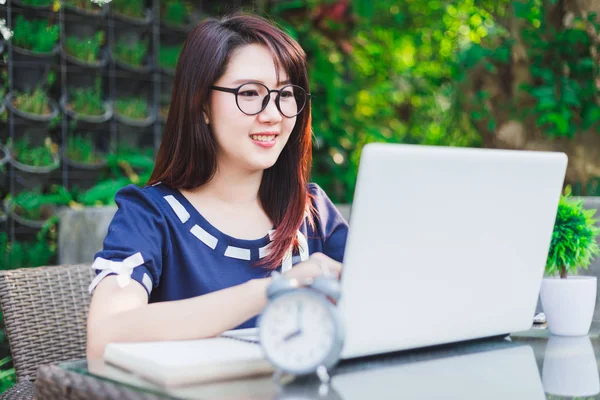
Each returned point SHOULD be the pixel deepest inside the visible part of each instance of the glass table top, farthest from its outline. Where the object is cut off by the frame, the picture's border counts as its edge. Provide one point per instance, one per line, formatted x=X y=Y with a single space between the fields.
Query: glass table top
x=526 y=365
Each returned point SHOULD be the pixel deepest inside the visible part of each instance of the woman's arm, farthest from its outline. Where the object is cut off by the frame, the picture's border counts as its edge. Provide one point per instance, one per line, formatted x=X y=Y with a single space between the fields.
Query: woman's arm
x=124 y=315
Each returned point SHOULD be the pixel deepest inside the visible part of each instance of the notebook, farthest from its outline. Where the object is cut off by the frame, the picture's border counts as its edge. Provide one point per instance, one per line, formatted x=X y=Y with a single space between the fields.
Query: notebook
x=232 y=355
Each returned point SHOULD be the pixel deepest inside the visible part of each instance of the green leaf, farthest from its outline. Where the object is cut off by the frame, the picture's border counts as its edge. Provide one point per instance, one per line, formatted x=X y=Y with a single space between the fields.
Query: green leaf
x=483 y=95
x=489 y=67
x=476 y=116
x=283 y=6
x=562 y=125
x=556 y=119
x=546 y=103
x=547 y=75
x=542 y=120
x=571 y=99
x=502 y=54
x=521 y=9
x=591 y=116
x=586 y=63
x=544 y=91
x=363 y=8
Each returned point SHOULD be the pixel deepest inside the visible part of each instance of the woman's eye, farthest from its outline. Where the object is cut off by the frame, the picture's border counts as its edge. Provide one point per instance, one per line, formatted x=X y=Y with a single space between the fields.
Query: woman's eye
x=248 y=93
x=287 y=95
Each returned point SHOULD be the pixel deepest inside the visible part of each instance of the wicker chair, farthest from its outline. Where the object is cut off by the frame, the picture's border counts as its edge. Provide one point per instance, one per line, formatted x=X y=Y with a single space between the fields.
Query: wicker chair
x=45 y=311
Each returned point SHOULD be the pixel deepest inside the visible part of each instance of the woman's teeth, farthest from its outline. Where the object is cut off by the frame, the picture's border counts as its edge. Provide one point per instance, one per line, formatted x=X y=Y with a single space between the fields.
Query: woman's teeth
x=262 y=138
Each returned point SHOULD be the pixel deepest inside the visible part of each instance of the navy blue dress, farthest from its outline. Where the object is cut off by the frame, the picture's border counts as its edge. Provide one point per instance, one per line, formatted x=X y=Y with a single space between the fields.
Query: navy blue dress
x=160 y=240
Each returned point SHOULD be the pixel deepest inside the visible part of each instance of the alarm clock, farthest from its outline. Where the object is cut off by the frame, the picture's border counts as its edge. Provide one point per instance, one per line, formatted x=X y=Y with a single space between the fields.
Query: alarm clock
x=300 y=329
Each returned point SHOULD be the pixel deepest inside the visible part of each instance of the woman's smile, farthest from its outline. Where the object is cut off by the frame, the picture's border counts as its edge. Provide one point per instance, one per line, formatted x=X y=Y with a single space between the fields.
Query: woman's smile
x=264 y=139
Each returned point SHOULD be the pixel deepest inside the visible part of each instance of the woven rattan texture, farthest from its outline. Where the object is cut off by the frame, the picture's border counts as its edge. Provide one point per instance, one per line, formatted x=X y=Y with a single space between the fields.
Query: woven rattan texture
x=55 y=383
x=23 y=390
x=45 y=311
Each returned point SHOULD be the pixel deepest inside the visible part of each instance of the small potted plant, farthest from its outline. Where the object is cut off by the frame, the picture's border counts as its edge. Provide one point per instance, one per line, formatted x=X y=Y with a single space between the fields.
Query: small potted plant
x=176 y=15
x=35 y=113
x=33 y=164
x=133 y=62
x=130 y=13
x=21 y=151
x=131 y=53
x=167 y=57
x=83 y=18
x=32 y=209
x=569 y=300
x=19 y=254
x=35 y=45
x=85 y=162
x=85 y=58
x=134 y=117
x=86 y=106
x=85 y=50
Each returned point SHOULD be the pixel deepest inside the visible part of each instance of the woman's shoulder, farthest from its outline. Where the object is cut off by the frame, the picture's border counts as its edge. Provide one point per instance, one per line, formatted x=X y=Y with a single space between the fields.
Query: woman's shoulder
x=327 y=223
x=143 y=200
x=133 y=193
x=318 y=197
x=322 y=207
x=317 y=193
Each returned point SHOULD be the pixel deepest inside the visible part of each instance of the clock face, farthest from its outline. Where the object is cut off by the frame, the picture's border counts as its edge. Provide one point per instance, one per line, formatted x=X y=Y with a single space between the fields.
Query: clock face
x=297 y=331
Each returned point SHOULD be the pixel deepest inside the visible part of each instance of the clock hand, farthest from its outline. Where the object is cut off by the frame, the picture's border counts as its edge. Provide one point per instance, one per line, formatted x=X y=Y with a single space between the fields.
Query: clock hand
x=292 y=335
x=299 y=315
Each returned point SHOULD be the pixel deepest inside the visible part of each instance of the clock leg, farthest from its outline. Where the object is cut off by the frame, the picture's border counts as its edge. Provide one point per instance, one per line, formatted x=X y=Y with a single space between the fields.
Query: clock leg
x=323 y=374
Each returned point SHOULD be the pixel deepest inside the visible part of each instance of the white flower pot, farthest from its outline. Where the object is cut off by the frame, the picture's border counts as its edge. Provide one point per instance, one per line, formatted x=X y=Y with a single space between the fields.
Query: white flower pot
x=570 y=367
x=569 y=304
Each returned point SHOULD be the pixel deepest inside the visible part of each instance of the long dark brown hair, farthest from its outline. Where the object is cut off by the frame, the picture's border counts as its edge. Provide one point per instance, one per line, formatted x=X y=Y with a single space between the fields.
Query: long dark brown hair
x=187 y=157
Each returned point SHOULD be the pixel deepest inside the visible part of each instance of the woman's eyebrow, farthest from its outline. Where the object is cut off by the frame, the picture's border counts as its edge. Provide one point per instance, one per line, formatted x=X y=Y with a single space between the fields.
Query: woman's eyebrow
x=240 y=81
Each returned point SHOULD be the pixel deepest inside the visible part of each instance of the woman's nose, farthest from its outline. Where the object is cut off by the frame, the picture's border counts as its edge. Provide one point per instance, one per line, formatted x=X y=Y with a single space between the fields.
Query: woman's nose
x=271 y=112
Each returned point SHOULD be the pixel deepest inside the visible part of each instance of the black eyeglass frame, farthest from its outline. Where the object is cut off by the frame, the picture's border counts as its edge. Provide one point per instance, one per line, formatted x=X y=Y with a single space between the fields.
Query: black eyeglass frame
x=269 y=91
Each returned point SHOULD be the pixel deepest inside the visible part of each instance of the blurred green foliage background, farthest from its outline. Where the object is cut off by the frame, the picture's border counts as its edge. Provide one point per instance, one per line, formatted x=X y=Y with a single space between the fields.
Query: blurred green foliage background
x=515 y=74
x=501 y=74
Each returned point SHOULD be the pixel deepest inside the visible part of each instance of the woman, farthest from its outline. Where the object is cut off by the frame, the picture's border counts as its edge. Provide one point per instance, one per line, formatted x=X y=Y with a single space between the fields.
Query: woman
x=191 y=254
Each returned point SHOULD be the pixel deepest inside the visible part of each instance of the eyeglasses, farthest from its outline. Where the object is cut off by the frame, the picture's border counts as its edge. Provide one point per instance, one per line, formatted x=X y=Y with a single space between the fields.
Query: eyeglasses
x=253 y=97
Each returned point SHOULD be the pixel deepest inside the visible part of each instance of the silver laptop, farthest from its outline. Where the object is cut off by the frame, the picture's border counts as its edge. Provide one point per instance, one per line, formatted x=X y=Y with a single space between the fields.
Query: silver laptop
x=446 y=244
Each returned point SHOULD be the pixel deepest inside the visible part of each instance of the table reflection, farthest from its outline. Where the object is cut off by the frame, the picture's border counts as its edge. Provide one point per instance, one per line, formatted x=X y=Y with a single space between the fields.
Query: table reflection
x=496 y=369
x=509 y=373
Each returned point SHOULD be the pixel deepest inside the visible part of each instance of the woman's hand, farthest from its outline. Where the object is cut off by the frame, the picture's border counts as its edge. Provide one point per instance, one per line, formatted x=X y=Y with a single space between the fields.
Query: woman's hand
x=318 y=264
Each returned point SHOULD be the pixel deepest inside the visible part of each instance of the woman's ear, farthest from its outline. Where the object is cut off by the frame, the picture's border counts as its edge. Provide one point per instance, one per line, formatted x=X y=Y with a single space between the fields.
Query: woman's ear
x=205 y=114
